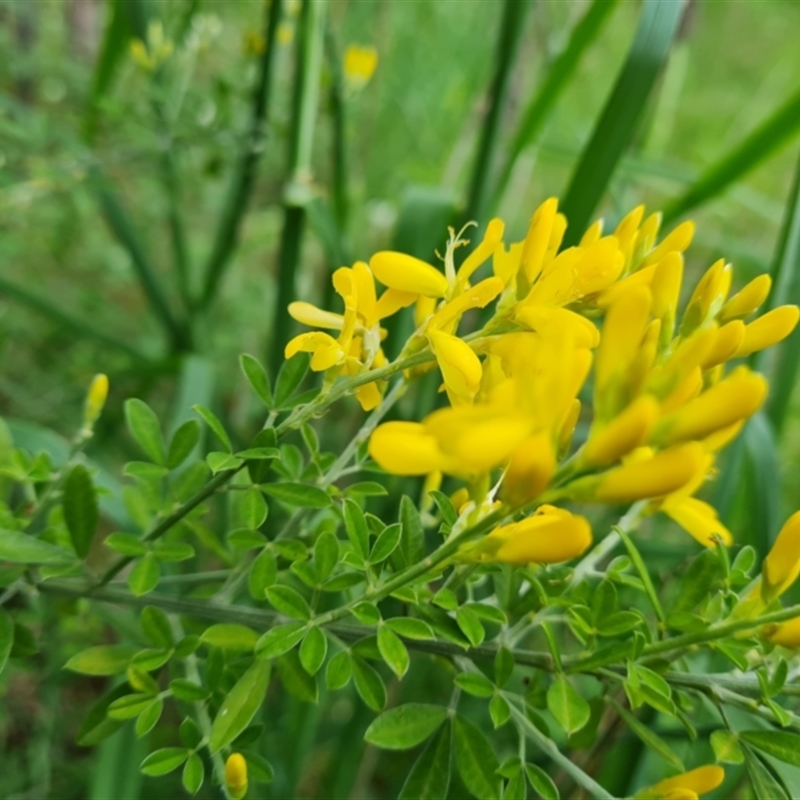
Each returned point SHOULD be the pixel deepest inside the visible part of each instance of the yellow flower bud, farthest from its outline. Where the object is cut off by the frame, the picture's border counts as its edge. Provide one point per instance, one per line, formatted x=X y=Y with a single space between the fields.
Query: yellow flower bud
x=95 y=400
x=484 y=251
x=627 y=230
x=550 y=536
x=236 y=776
x=786 y=634
x=538 y=239
x=662 y=474
x=736 y=397
x=708 y=296
x=624 y=433
x=698 y=519
x=769 y=329
x=748 y=300
x=315 y=317
x=531 y=467
x=782 y=565
x=408 y=274
x=697 y=781
x=593 y=234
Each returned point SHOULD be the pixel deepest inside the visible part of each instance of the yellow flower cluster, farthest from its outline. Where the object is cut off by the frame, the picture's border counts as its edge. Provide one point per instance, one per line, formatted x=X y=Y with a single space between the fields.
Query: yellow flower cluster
x=605 y=311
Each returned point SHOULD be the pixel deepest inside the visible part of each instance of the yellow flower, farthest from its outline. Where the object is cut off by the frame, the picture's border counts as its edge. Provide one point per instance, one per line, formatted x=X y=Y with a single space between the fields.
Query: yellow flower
x=358 y=345
x=461 y=368
x=550 y=536
x=648 y=476
x=782 y=564
x=236 y=776
x=748 y=300
x=769 y=329
x=359 y=65
x=622 y=434
x=687 y=785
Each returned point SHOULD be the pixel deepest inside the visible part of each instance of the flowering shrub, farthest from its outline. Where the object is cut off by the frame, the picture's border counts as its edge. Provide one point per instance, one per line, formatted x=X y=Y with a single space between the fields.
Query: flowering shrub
x=583 y=384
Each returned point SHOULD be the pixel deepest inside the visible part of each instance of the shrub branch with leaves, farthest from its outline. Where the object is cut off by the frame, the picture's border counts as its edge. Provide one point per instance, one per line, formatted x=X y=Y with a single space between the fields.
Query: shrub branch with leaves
x=586 y=409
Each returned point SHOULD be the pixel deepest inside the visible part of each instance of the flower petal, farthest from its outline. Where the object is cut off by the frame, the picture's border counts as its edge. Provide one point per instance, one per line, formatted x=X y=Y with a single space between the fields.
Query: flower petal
x=408 y=274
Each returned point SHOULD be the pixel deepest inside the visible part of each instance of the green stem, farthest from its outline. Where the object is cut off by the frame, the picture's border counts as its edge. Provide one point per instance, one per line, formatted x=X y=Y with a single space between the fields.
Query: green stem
x=511 y=29
x=242 y=182
x=339 y=196
x=69 y=322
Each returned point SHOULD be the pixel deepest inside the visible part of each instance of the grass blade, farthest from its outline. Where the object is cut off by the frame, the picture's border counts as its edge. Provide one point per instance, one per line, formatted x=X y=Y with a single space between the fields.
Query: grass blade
x=777 y=130
x=618 y=122
x=555 y=81
x=67 y=321
x=227 y=234
x=511 y=28
x=786 y=289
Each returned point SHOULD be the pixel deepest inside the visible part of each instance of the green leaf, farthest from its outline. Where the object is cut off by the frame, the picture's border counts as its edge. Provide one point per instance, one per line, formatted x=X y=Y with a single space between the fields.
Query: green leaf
x=290 y=376
x=194 y=774
x=149 y=717
x=356 y=526
x=156 y=627
x=20 y=548
x=183 y=442
x=445 y=506
x=366 y=489
x=726 y=747
x=229 y=636
x=221 y=462
x=474 y=683
x=296 y=680
x=6 y=638
x=288 y=602
x=499 y=710
x=429 y=778
x=412 y=536
x=652 y=740
x=188 y=690
x=617 y=125
x=257 y=378
x=476 y=761
x=130 y=706
x=369 y=684
x=146 y=430
x=385 y=544
x=164 y=761
x=213 y=422
x=173 y=551
x=297 y=494
x=326 y=555
x=280 y=640
x=503 y=666
x=406 y=726
x=411 y=628
x=240 y=705
x=568 y=708
x=782 y=745
x=541 y=782
x=144 y=576
x=393 y=651
x=108 y=659
x=471 y=626
x=765 y=785
x=127 y=544
x=339 y=671
x=97 y=725
x=190 y=733
x=263 y=573
x=80 y=509
x=248 y=509
x=313 y=650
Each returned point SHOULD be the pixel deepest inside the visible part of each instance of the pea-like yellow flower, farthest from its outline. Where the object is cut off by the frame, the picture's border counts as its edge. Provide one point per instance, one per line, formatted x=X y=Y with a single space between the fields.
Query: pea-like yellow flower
x=748 y=300
x=769 y=329
x=686 y=786
x=236 y=776
x=645 y=476
x=782 y=564
x=550 y=536
x=608 y=444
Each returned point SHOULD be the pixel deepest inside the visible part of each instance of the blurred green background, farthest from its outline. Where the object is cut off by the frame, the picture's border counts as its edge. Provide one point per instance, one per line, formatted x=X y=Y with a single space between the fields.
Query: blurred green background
x=116 y=178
